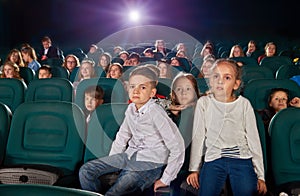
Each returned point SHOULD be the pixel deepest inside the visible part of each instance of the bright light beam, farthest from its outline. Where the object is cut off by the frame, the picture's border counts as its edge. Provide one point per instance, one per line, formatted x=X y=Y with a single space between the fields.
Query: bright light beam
x=134 y=16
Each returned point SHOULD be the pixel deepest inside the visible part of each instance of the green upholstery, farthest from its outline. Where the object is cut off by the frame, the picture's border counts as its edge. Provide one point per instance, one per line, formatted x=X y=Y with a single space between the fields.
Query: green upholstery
x=287 y=71
x=60 y=72
x=73 y=74
x=27 y=74
x=12 y=92
x=258 y=90
x=49 y=89
x=275 y=62
x=114 y=91
x=58 y=62
x=285 y=145
x=42 y=190
x=164 y=86
x=247 y=61
x=263 y=140
x=102 y=129
x=46 y=133
x=5 y=116
x=255 y=72
x=203 y=85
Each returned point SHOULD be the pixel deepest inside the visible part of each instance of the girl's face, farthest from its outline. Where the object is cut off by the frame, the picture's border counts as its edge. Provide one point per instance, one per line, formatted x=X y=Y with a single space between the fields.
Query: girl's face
x=25 y=57
x=14 y=57
x=251 y=47
x=270 y=50
x=103 y=61
x=163 y=70
x=279 y=101
x=236 y=52
x=71 y=63
x=115 y=72
x=86 y=70
x=91 y=102
x=123 y=56
x=184 y=91
x=223 y=82
x=206 y=69
x=206 y=52
x=9 y=71
x=175 y=62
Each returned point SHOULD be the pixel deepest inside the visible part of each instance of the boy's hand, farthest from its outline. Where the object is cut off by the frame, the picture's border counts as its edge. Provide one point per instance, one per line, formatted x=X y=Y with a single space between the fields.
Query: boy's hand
x=261 y=187
x=158 y=184
x=193 y=179
x=295 y=102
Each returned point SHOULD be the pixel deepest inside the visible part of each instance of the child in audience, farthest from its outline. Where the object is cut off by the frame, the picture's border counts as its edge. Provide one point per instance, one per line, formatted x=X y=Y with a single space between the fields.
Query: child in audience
x=44 y=72
x=15 y=56
x=93 y=97
x=165 y=69
x=225 y=132
x=11 y=70
x=71 y=61
x=115 y=70
x=270 y=50
x=29 y=56
x=86 y=71
x=146 y=142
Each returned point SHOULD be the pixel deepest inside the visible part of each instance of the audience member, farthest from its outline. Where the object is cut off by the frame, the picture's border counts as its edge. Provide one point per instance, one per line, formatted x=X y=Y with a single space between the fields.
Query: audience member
x=117 y=50
x=148 y=52
x=236 y=51
x=132 y=153
x=160 y=49
x=104 y=61
x=225 y=133
x=94 y=52
x=70 y=62
x=251 y=48
x=133 y=59
x=15 y=56
x=48 y=50
x=115 y=70
x=44 y=72
x=11 y=70
x=270 y=50
x=205 y=69
x=124 y=55
x=29 y=56
x=93 y=97
x=165 y=69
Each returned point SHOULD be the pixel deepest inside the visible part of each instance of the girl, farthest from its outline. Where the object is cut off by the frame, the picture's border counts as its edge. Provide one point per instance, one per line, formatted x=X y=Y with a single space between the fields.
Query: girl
x=71 y=61
x=15 y=56
x=86 y=71
x=93 y=97
x=11 y=70
x=225 y=132
x=115 y=70
x=165 y=69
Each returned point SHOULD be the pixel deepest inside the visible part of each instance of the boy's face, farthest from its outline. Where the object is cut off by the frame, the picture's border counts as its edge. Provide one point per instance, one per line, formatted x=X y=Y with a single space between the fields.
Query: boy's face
x=279 y=101
x=44 y=74
x=140 y=90
x=91 y=102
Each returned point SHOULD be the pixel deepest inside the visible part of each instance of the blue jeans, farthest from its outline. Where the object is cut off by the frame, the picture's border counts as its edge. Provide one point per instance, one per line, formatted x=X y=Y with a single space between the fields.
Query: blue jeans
x=134 y=175
x=240 y=172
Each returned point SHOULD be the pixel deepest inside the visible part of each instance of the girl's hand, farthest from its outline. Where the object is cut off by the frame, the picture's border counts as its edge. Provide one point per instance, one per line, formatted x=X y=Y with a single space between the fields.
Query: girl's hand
x=261 y=187
x=193 y=179
x=158 y=184
x=295 y=102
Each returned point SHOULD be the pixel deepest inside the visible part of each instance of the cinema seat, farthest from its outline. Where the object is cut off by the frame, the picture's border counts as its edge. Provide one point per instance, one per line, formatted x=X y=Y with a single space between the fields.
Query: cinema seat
x=60 y=72
x=5 y=116
x=12 y=92
x=55 y=89
x=287 y=71
x=285 y=150
x=27 y=74
x=275 y=62
x=45 y=144
x=44 y=190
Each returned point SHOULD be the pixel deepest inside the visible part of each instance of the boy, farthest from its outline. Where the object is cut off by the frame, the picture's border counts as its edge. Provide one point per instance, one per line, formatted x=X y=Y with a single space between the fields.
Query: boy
x=45 y=72
x=93 y=97
x=147 y=142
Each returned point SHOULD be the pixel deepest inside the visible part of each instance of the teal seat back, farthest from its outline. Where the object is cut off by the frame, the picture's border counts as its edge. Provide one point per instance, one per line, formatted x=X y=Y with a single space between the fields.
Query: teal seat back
x=258 y=91
x=12 y=92
x=60 y=72
x=256 y=72
x=275 y=62
x=5 y=116
x=247 y=61
x=164 y=86
x=287 y=71
x=46 y=133
x=102 y=129
x=45 y=190
x=114 y=91
x=203 y=85
x=285 y=145
x=49 y=89
x=27 y=74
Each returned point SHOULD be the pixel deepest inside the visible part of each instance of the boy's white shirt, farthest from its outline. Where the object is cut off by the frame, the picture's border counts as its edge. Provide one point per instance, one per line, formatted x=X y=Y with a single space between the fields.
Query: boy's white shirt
x=154 y=136
x=237 y=127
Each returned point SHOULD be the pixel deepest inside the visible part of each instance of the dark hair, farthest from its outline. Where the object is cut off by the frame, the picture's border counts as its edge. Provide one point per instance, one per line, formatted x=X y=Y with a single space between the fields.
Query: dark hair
x=45 y=67
x=275 y=90
x=95 y=91
x=134 y=55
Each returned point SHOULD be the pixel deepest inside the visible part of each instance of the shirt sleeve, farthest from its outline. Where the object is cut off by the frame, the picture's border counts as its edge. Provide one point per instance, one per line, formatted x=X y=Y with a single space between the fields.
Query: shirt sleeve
x=120 y=143
x=173 y=141
x=254 y=141
x=198 y=137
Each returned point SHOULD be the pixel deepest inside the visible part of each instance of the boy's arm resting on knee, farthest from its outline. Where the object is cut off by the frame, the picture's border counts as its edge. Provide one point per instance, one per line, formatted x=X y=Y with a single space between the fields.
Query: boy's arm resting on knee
x=158 y=185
